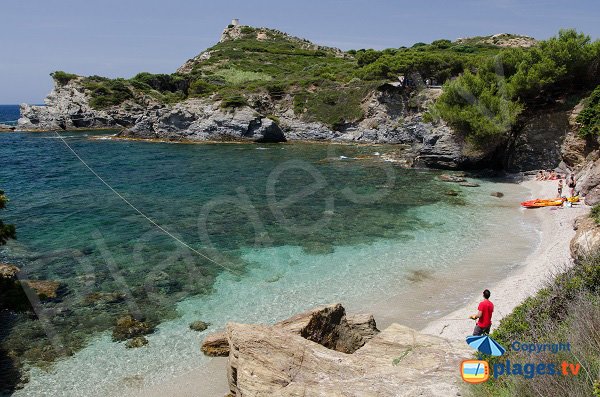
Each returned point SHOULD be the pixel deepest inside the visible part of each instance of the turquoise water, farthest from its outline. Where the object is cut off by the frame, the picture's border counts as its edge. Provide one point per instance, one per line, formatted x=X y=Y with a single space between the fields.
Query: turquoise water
x=286 y=227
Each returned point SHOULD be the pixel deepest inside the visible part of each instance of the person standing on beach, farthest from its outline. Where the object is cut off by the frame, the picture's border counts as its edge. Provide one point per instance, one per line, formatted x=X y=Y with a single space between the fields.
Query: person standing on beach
x=560 y=187
x=484 y=315
x=571 y=185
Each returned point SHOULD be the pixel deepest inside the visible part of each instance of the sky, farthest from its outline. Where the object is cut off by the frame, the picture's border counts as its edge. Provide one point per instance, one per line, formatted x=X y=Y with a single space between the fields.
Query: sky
x=119 y=38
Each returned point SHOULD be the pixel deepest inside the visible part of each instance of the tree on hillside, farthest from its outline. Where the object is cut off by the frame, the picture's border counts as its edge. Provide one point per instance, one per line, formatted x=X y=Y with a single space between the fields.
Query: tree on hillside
x=6 y=231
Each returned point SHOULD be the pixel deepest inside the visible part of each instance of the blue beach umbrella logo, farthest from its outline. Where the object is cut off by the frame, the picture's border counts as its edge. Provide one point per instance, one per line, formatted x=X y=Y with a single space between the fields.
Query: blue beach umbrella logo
x=486 y=345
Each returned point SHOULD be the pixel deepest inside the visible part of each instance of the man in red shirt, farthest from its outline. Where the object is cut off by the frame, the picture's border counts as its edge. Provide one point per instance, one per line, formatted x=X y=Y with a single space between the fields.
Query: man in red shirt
x=484 y=314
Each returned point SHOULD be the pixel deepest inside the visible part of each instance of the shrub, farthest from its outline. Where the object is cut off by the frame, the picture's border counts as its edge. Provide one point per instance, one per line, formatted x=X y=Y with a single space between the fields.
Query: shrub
x=595 y=213
x=62 y=78
x=201 y=87
x=233 y=101
x=590 y=117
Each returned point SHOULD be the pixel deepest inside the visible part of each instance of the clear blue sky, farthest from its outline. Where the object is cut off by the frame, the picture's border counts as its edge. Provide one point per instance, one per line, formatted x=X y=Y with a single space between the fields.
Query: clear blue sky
x=122 y=37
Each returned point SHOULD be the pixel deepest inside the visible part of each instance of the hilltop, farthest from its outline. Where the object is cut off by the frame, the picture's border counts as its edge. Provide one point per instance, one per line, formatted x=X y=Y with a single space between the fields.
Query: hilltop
x=261 y=84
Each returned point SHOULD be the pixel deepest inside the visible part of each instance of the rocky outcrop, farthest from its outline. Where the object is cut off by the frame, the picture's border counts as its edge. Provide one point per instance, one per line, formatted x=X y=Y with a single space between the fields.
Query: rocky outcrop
x=201 y=120
x=215 y=345
x=273 y=360
x=327 y=325
x=587 y=237
x=538 y=143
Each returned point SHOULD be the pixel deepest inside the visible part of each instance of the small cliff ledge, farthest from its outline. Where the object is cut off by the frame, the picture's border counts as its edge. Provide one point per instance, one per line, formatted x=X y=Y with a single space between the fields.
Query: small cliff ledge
x=325 y=352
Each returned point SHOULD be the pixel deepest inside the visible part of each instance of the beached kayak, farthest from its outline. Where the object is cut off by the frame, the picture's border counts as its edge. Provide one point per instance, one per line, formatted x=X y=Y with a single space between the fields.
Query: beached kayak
x=541 y=203
x=574 y=199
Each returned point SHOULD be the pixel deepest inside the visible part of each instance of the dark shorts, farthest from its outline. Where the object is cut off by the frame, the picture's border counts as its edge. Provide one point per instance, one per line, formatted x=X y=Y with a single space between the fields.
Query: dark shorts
x=481 y=331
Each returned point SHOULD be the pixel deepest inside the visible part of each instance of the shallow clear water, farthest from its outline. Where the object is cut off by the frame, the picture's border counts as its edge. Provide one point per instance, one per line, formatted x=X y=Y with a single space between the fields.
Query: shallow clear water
x=286 y=227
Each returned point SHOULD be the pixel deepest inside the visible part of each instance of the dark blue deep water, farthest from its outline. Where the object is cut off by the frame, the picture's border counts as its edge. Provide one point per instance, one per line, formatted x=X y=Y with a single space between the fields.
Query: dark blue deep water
x=9 y=114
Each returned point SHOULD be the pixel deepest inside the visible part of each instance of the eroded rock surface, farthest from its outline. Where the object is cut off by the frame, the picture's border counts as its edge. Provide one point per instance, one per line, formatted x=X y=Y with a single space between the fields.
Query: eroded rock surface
x=326 y=352
x=397 y=362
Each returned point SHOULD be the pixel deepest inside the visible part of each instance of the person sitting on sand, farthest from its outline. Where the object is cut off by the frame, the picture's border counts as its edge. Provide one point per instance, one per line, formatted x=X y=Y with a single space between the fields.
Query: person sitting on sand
x=560 y=186
x=553 y=176
x=484 y=314
x=539 y=176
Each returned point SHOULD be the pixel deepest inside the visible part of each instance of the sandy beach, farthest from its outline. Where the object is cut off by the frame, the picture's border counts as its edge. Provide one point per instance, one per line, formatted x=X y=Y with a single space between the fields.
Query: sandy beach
x=551 y=255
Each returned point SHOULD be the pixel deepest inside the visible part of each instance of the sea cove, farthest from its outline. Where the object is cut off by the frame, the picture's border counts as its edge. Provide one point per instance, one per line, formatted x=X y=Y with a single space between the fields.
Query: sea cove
x=286 y=227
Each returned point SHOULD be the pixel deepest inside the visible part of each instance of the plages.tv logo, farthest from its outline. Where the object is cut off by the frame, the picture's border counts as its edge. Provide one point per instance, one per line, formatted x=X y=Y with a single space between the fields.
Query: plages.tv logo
x=479 y=371
x=475 y=371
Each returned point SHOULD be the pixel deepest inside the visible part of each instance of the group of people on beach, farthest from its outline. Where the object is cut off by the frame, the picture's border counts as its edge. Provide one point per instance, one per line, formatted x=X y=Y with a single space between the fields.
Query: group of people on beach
x=547 y=175
x=571 y=184
x=551 y=175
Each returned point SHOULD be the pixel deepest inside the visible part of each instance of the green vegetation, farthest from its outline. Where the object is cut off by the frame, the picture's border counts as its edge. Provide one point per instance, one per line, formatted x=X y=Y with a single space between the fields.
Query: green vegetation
x=486 y=87
x=6 y=231
x=62 y=78
x=567 y=310
x=590 y=115
x=595 y=213
x=486 y=103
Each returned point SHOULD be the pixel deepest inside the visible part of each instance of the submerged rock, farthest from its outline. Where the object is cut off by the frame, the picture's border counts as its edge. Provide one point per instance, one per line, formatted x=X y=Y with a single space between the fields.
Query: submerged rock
x=451 y=178
x=469 y=184
x=497 y=194
x=138 y=341
x=45 y=289
x=199 y=326
x=451 y=193
x=127 y=327
x=8 y=273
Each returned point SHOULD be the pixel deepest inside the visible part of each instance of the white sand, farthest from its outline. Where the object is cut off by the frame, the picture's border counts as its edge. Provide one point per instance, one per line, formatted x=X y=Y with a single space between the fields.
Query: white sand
x=550 y=256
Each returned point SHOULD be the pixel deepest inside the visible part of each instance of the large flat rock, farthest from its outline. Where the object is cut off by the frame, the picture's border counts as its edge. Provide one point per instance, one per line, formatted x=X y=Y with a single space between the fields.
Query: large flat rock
x=399 y=361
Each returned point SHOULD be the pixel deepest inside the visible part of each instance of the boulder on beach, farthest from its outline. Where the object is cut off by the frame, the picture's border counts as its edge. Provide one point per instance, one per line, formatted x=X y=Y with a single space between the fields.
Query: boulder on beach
x=274 y=360
x=327 y=325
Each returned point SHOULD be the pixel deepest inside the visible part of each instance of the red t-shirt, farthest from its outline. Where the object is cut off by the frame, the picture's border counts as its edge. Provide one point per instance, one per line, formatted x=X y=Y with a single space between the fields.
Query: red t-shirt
x=486 y=308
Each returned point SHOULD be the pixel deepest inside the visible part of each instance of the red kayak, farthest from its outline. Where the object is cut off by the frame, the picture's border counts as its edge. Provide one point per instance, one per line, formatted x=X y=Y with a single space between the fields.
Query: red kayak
x=537 y=203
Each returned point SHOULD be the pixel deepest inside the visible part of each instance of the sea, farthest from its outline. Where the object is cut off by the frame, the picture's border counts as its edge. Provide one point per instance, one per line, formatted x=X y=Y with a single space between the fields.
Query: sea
x=173 y=233
x=9 y=114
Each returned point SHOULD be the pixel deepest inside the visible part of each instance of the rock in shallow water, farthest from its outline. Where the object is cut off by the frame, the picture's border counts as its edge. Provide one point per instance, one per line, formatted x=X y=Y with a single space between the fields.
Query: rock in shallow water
x=138 y=341
x=127 y=327
x=199 y=326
